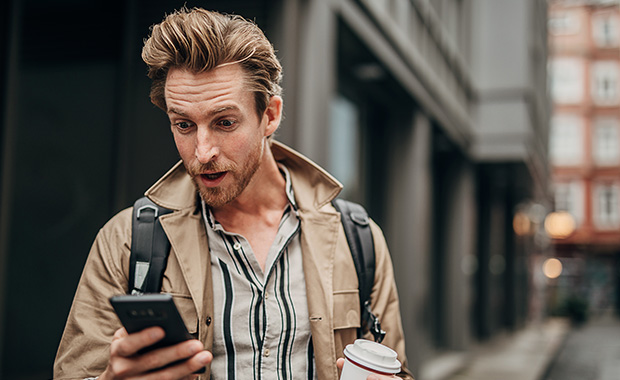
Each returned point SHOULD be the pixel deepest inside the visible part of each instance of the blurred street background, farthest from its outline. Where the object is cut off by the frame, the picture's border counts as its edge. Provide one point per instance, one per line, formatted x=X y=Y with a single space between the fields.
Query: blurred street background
x=482 y=135
x=591 y=351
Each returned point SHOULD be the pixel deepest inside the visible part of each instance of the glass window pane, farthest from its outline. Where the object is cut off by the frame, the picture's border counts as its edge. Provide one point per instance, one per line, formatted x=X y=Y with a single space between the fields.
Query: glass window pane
x=564 y=23
x=606 y=212
x=344 y=142
x=569 y=197
x=566 y=140
x=605 y=29
x=567 y=80
x=605 y=82
x=606 y=144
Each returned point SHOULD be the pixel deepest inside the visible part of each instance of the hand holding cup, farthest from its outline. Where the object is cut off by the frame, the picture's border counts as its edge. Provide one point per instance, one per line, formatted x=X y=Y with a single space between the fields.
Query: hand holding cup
x=367 y=360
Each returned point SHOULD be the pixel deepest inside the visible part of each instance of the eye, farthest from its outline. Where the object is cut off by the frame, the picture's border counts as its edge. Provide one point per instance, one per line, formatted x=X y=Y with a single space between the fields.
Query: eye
x=182 y=125
x=227 y=123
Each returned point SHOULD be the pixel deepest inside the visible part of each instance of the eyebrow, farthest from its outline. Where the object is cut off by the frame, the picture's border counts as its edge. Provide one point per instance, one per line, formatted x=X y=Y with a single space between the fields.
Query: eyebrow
x=223 y=109
x=176 y=111
x=210 y=113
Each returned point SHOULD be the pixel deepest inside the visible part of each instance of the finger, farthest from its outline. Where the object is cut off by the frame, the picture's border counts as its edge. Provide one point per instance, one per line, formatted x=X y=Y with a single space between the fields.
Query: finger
x=164 y=356
x=130 y=344
x=183 y=369
x=340 y=363
x=142 y=363
x=120 y=333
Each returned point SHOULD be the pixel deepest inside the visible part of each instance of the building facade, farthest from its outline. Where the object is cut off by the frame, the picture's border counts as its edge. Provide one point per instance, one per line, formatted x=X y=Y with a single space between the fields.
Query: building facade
x=584 y=39
x=433 y=114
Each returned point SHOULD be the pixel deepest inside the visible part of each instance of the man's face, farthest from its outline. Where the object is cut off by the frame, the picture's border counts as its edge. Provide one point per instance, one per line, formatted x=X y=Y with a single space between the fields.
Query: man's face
x=216 y=129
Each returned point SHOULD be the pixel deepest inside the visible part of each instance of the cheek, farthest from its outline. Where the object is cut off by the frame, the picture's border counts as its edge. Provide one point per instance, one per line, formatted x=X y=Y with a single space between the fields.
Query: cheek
x=185 y=146
x=240 y=144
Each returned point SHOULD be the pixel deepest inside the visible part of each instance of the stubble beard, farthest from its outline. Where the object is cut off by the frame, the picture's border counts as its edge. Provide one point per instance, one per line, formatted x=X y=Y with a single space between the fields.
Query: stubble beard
x=220 y=196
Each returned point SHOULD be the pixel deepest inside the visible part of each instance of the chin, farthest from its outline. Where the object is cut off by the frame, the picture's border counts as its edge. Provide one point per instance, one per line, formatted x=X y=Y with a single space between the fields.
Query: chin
x=216 y=197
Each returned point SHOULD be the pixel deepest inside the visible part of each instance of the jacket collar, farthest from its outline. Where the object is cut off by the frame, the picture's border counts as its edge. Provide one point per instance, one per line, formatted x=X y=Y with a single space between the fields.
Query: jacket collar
x=313 y=186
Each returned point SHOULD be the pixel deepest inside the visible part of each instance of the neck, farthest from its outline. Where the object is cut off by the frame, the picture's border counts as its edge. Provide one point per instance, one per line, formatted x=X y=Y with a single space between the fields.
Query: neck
x=265 y=192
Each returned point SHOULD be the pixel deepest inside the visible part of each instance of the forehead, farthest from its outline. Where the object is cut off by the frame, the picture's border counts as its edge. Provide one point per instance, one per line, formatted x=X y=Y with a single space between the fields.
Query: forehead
x=219 y=84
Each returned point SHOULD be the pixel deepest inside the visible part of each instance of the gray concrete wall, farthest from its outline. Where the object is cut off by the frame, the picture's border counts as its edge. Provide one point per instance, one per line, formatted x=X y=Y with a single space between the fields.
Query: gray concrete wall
x=409 y=229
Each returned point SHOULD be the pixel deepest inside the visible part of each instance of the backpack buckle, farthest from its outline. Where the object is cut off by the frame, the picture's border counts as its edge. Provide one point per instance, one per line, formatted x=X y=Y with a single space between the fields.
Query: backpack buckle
x=376 y=330
x=359 y=219
x=147 y=207
x=372 y=323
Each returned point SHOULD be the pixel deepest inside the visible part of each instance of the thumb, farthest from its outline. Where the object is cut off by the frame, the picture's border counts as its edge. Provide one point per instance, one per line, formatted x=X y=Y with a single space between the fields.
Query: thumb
x=340 y=363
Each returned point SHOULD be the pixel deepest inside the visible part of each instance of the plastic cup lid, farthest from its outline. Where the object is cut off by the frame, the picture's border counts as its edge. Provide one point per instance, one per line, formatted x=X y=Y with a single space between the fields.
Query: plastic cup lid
x=374 y=356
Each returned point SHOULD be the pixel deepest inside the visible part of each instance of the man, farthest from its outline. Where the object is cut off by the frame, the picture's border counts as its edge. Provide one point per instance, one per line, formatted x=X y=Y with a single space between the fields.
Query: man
x=259 y=266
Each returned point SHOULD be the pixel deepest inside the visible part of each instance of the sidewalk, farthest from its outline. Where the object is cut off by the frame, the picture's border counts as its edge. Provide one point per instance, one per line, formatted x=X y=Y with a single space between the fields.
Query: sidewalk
x=523 y=355
x=591 y=351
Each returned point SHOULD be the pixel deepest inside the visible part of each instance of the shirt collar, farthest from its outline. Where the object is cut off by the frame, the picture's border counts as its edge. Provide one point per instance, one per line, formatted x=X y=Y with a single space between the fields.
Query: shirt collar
x=290 y=194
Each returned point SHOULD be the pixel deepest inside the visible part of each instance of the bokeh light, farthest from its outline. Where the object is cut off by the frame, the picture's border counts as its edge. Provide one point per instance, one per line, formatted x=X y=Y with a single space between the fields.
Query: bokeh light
x=521 y=224
x=559 y=224
x=552 y=268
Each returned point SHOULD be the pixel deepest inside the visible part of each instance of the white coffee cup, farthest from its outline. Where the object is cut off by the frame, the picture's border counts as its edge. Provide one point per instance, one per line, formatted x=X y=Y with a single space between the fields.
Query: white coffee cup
x=365 y=357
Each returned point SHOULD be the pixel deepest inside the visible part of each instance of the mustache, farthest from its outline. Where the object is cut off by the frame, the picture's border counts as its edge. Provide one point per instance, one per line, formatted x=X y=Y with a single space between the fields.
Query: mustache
x=211 y=167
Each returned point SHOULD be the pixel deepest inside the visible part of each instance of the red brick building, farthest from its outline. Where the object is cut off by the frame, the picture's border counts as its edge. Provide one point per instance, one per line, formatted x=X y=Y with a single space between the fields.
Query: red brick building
x=584 y=62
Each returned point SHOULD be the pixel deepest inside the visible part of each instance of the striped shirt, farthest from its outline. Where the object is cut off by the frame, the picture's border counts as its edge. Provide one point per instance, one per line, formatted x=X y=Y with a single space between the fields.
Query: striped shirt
x=261 y=324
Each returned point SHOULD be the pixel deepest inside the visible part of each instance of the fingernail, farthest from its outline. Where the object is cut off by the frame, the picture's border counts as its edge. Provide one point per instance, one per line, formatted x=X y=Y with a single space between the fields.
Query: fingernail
x=204 y=357
x=193 y=349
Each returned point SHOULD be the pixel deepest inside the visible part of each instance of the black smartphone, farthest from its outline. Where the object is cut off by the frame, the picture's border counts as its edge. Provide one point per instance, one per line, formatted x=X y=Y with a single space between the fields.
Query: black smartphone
x=138 y=312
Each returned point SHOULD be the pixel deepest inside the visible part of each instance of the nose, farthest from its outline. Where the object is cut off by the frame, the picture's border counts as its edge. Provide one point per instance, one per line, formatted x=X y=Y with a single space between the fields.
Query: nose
x=207 y=147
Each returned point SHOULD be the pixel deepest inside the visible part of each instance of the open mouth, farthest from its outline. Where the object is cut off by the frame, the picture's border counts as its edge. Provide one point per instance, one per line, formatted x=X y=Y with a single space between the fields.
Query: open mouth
x=213 y=179
x=213 y=176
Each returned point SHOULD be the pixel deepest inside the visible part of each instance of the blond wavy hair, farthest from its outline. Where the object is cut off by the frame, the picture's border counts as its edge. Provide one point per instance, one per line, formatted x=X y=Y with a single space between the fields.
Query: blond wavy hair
x=199 y=40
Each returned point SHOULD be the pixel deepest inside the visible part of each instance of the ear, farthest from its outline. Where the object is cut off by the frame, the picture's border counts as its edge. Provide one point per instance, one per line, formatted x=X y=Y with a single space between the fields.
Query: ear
x=273 y=114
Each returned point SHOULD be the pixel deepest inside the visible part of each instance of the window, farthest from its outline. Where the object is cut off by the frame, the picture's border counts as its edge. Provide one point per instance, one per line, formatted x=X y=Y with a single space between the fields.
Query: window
x=605 y=29
x=606 y=143
x=566 y=140
x=605 y=83
x=569 y=197
x=562 y=23
x=344 y=143
x=606 y=215
x=567 y=80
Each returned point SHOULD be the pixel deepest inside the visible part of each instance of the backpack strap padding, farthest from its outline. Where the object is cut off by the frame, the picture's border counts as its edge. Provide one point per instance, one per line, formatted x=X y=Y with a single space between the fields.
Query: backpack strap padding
x=149 y=248
x=357 y=230
x=356 y=224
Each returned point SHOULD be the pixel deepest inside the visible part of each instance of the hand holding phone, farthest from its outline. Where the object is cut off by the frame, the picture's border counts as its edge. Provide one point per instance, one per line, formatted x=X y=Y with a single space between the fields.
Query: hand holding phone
x=139 y=312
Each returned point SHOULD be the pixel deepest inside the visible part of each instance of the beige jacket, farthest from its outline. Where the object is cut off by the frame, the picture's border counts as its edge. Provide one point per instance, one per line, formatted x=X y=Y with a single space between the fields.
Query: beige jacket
x=331 y=281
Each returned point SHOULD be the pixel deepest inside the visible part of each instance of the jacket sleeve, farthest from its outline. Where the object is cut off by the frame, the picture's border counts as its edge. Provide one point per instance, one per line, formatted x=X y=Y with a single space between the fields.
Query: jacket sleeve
x=384 y=301
x=84 y=347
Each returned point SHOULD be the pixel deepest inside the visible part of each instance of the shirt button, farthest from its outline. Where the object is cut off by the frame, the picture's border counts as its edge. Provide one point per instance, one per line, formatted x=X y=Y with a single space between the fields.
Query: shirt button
x=266 y=352
x=237 y=246
x=266 y=295
x=208 y=321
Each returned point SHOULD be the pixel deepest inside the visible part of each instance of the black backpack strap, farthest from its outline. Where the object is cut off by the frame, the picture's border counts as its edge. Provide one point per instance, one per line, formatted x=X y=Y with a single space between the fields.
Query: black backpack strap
x=149 y=248
x=356 y=224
